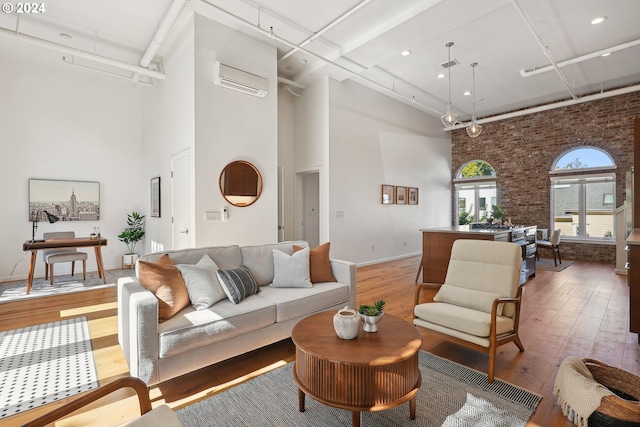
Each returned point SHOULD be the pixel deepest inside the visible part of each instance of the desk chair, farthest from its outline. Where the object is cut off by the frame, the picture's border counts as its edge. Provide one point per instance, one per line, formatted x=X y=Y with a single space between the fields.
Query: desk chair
x=52 y=256
x=553 y=244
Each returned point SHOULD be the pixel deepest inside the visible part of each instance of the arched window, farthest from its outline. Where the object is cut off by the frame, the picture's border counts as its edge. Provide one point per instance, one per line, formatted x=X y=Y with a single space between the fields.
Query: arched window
x=583 y=194
x=475 y=192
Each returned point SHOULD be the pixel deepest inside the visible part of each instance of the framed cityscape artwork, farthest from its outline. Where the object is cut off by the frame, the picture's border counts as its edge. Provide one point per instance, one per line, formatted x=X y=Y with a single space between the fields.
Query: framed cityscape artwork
x=68 y=200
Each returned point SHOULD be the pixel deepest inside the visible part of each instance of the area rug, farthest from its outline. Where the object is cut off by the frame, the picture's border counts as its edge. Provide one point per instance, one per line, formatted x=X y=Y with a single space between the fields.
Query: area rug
x=547 y=264
x=451 y=395
x=44 y=363
x=14 y=291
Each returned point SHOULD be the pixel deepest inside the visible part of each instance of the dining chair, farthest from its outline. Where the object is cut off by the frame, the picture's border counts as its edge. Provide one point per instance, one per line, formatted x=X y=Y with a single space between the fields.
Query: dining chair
x=553 y=244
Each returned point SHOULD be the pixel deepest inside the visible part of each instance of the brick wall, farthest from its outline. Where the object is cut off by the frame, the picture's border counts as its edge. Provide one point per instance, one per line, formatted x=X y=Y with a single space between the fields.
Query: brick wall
x=522 y=150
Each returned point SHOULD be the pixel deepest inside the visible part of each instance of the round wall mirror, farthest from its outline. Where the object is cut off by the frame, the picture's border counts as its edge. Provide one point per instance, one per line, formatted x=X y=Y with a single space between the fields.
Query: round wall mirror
x=240 y=183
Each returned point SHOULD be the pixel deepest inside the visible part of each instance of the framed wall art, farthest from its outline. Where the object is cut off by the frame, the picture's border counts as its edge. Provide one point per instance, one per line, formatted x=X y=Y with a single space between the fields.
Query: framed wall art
x=388 y=196
x=401 y=195
x=413 y=196
x=155 y=197
x=68 y=200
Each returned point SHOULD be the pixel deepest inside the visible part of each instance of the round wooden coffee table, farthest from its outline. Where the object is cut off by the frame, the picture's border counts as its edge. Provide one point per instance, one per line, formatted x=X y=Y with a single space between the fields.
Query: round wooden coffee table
x=373 y=372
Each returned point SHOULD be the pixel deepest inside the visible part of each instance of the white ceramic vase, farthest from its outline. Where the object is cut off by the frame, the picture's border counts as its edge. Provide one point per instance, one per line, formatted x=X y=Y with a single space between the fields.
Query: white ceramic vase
x=346 y=323
x=371 y=322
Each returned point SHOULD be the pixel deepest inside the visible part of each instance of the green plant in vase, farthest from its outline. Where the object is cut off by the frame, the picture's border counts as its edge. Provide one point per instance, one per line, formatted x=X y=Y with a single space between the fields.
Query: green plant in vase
x=132 y=235
x=371 y=315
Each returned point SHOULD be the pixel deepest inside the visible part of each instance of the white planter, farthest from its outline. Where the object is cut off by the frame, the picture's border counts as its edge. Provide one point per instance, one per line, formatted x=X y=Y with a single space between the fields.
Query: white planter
x=129 y=260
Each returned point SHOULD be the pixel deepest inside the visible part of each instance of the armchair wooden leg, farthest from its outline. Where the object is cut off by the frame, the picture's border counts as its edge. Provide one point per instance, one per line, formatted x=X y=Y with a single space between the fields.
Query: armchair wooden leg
x=518 y=343
x=492 y=364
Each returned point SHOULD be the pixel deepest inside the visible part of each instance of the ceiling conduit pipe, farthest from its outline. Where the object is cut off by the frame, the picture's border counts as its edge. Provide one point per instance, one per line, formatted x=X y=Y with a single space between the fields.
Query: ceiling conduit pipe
x=326 y=28
x=292 y=45
x=613 y=49
x=544 y=48
x=165 y=26
x=81 y=54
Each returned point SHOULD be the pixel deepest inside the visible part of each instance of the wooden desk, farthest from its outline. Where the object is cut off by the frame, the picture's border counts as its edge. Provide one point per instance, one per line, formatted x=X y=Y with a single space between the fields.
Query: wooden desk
x=79 y=242
x=373 y=372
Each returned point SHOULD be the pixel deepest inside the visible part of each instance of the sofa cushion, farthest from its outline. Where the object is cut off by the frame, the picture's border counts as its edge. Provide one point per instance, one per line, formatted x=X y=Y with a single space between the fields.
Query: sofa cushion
x=192 y=329
x=164 y=280
x=470 y=298
x=291 y=271
x=238 y=283
x=319 y=263
x=298 y=302
x=202 y=282
x=259 y=259
x=473 y=322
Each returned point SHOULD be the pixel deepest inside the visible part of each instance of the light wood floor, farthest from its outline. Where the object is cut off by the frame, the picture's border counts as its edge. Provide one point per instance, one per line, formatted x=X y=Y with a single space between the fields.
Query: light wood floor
x=581 y=311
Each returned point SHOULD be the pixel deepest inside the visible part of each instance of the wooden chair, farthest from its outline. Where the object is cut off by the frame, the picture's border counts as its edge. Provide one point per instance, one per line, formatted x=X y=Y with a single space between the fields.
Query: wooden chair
x=52 y=256
x=479 y=303
x=159 y=416
x=553 y=244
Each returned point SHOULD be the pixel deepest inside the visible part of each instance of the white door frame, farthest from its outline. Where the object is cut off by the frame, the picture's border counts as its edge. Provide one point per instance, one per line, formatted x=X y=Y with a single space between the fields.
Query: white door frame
x=299 y=204
x=186 y=225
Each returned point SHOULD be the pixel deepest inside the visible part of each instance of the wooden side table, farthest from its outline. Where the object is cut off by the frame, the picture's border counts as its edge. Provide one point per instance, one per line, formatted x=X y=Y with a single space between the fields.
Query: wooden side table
x=373 y=372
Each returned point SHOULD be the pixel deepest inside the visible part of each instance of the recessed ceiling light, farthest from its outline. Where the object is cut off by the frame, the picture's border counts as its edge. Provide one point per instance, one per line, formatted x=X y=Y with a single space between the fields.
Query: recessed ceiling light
x=598 y=20
x=606 y=54
x=441 y=76
x=65 y=36
x=406 y=52
x=467 y=93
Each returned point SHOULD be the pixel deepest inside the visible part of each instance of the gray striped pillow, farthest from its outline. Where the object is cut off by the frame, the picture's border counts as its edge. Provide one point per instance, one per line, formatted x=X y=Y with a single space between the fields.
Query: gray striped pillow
x=238 y=283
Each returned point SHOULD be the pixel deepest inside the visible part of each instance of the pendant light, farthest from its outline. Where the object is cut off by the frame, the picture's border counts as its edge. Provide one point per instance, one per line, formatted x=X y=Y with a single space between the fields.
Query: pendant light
x=449 y=119
x=474 y=129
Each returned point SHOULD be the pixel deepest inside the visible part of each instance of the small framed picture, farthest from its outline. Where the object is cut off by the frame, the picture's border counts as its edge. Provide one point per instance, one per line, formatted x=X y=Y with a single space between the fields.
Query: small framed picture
x=388 y=196
x=413 y=196
x=155 y=197
x=401 y=195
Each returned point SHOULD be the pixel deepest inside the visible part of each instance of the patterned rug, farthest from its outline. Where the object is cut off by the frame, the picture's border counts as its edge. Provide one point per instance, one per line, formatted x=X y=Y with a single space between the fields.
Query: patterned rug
x=44 y=363
x=14 y=291
x=451 y=395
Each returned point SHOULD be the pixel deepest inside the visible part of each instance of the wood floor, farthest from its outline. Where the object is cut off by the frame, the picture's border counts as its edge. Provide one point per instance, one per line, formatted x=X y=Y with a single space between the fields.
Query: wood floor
x=581 y=311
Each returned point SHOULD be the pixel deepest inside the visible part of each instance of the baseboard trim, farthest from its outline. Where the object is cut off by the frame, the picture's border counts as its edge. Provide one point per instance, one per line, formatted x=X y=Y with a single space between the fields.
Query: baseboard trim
x=380 y=261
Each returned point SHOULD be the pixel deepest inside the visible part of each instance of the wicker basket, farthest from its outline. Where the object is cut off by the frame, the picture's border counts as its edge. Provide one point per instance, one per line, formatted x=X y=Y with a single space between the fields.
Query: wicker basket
x=622 y=409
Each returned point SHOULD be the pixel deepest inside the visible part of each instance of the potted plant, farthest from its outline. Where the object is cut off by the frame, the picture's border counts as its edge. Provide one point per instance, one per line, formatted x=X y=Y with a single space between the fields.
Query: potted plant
x=131 y=236
x=371 y=315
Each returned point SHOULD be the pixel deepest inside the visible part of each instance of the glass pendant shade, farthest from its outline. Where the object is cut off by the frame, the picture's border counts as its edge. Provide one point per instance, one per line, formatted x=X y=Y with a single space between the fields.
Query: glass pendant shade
x=474 y=129
x=449 y=119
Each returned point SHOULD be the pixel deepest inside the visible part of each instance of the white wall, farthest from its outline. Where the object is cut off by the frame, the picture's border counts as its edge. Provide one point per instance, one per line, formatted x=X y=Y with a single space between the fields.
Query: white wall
x=234 y=126
x=375 y=140
x=168 y=128
x=69 y=124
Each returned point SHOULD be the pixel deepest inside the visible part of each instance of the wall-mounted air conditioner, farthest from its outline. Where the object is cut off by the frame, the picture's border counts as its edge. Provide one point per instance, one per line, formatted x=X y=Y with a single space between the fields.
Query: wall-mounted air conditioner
x=242 y=81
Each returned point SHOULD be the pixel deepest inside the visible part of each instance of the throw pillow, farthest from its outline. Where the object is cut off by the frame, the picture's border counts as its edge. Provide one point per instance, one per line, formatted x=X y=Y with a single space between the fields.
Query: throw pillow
x=319 y=263
x=238 y=283
x=165 y=281
x=469 y=298
x=291 y=271
x=202 y=282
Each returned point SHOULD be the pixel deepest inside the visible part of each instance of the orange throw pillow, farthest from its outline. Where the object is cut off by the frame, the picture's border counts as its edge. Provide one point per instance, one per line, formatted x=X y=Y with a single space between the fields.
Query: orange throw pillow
x=319 y=264
x=165 y=281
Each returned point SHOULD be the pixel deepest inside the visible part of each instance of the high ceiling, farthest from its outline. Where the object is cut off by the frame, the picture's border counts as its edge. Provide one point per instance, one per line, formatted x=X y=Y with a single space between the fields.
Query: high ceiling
x=514 y=42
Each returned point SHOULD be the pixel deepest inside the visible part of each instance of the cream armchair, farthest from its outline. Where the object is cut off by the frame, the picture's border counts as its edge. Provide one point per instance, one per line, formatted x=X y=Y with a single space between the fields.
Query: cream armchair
x=479 y=303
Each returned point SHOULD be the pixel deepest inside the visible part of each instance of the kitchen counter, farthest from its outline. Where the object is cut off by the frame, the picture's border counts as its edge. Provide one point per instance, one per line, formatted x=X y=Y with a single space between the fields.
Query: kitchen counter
x=437 y=243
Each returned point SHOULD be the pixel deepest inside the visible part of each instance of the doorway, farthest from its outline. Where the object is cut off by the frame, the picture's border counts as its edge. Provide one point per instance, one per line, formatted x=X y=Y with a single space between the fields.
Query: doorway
x=310 y=224
x=182 y=234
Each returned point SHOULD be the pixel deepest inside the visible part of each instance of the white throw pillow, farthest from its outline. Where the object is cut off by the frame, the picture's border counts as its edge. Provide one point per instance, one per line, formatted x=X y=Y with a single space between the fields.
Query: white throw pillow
x=202 y=283
x=291 y=271
x=469 y=298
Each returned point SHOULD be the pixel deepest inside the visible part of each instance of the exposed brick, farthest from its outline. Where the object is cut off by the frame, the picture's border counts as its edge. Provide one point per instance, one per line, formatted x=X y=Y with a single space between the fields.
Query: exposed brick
x=522 y=150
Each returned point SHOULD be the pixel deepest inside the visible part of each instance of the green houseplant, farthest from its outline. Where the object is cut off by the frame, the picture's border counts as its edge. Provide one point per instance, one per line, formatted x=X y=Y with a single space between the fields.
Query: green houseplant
x=133 y=233
x=371 y=315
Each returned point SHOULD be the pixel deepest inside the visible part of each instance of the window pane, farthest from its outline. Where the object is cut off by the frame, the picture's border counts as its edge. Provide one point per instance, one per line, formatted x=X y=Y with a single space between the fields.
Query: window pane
x=584 y=158
x=566 y=208
x=465 y=206
x=599 y=215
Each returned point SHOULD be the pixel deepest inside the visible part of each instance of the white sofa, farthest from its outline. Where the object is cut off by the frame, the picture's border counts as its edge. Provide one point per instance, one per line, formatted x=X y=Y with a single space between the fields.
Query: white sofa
x=193 y=339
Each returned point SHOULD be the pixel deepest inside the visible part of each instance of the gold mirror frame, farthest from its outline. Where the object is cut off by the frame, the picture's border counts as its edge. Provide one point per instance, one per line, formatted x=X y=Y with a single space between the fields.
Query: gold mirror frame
x=240 y=183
